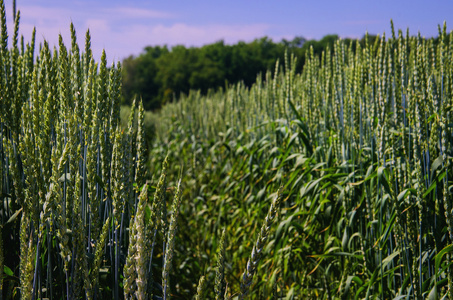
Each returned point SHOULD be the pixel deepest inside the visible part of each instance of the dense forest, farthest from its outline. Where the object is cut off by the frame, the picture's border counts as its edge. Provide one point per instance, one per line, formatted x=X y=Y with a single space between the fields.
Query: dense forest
x=160 y=73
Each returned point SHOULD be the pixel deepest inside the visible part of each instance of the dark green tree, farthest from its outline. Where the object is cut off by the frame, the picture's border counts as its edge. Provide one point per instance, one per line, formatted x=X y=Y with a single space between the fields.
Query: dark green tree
x=161 y=73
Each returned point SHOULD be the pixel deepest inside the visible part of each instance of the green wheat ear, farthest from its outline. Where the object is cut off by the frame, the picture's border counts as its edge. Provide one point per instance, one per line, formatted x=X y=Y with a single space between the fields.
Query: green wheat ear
x=171 y=242
x=141 y=255
x=200 y=289
x=220 y=283
x=129 y=270
x=94 y=275
x=252 y=263
x=140 y=172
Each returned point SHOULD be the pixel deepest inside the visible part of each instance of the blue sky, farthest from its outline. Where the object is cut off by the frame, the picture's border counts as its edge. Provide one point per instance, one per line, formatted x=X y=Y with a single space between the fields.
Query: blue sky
x=124 y=28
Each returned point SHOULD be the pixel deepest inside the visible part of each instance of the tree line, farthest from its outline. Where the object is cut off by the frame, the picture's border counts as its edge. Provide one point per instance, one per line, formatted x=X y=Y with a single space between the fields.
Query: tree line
x=160 y=73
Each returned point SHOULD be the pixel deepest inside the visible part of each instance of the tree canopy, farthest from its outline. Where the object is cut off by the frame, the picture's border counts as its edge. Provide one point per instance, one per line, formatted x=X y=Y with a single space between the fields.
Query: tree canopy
x=160 y=72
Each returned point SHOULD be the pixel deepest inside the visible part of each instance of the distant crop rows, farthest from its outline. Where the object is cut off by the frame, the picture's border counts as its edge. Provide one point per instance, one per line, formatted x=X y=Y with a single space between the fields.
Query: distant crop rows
x=362 y=141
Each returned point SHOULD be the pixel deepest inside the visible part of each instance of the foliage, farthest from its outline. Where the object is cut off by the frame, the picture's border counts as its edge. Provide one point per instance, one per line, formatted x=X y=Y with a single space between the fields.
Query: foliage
x=361 y=140
x=159 y=75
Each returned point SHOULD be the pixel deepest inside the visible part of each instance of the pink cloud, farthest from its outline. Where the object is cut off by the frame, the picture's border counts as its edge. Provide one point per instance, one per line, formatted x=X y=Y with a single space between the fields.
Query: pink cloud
x=121 y=30
x=181 y=33
x=132 y=12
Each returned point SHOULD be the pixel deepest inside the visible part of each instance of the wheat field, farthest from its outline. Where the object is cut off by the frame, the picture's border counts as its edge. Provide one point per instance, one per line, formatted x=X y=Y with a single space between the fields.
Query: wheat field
x=332 y=182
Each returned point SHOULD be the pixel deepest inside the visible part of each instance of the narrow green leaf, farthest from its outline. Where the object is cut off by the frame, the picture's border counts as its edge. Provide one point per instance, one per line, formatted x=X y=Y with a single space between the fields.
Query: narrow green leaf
x=8 y=271
x=14 y=216
x=433 y=294
x=438 y=257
